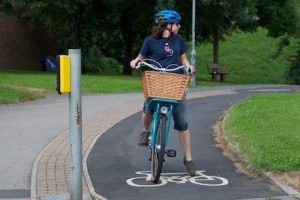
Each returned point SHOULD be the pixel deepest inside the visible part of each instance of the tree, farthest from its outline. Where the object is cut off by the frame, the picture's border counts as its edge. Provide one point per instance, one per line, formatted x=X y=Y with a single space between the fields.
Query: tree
x=219 y=18
x=109 y=27
x=284 y=21
x=279 y=16
x=115 y=28
x=293 y=74
x=133 y=20
x=65 y=19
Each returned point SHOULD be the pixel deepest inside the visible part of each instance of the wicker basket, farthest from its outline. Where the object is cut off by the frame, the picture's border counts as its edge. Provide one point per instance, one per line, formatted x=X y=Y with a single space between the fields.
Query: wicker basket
x=164 y=85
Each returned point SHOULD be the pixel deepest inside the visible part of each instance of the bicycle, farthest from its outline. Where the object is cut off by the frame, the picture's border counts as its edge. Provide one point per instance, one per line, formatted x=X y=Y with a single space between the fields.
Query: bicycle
x=159 y=90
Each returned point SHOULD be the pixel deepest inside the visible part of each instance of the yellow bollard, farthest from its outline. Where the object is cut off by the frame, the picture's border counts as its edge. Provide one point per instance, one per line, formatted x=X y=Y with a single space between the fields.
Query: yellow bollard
x=63 y=74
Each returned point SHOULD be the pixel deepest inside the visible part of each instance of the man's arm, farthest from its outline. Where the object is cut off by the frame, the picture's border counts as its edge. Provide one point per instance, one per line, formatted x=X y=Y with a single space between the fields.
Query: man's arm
x=134 y=61
x=185 y=62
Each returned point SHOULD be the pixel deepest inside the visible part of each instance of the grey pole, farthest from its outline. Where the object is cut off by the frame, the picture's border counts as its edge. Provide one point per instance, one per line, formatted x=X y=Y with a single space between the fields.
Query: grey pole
x=193 y=53
x=75 y=120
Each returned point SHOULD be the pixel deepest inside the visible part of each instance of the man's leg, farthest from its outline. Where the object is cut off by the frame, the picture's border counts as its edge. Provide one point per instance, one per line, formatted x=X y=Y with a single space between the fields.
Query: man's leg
x=185 y=140
x=146 y=121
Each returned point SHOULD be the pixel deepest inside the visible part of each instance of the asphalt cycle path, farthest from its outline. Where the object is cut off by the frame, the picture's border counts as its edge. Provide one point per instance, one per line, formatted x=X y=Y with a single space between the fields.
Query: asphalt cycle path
x=119 y=169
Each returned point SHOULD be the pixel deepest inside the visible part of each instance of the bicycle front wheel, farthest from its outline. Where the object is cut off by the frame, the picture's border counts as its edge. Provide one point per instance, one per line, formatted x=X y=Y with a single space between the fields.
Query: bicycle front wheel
x=158 y=150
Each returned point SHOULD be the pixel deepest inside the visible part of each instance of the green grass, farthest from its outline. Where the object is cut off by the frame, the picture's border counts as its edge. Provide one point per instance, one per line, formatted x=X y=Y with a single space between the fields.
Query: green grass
x=110 y=84
x=266 y=129
x=47 y=81
x=8 y=95
x=89 y=83
x=34 y=79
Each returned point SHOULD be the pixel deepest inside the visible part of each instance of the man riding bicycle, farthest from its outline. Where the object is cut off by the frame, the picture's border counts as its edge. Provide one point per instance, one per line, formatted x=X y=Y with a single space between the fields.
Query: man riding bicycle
x=167 y=47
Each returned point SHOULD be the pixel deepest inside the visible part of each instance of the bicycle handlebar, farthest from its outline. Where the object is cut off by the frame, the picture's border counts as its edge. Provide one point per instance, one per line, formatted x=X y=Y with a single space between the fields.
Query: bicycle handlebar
x=160 y=68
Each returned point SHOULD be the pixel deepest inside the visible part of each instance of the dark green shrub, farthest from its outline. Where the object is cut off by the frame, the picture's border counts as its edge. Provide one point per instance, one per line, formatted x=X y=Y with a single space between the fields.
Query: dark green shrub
x=95 y=62
x=293 y=74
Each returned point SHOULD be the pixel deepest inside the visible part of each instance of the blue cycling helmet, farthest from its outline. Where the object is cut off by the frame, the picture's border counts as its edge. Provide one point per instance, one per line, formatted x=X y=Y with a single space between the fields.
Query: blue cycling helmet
x=167 y=16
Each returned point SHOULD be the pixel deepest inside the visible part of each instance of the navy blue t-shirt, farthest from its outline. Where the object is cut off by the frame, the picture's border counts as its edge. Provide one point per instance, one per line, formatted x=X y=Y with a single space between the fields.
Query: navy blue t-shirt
x=166 y=51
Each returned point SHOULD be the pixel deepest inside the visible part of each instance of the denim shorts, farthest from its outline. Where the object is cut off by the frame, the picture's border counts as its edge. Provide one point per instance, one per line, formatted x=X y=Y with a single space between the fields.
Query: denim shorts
x=179 y=115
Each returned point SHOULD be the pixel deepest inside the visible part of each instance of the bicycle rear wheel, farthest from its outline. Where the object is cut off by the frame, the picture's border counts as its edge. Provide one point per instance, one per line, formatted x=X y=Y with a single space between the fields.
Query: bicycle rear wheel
x=158 y=150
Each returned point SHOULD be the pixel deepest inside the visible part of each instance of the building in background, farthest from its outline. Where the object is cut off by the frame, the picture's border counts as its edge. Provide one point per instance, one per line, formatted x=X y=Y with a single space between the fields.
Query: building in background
x=21 y=47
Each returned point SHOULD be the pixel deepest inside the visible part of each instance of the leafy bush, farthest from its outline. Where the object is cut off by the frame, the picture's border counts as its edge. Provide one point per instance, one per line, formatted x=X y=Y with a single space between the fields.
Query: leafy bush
x=293 y=75
x=95 y=62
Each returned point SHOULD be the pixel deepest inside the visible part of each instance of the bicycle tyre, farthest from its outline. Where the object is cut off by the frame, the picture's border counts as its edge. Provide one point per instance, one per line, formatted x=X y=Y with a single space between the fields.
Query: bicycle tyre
x=132 y=181
x=158 y=150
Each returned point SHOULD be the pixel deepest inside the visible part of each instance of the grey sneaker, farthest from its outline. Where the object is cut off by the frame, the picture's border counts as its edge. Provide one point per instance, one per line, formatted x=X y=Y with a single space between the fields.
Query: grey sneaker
x=190 y=167
x=143 y=140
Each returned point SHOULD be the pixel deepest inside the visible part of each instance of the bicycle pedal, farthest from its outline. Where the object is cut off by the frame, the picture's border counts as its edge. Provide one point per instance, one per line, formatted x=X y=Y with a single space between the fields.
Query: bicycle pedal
x=171 y=153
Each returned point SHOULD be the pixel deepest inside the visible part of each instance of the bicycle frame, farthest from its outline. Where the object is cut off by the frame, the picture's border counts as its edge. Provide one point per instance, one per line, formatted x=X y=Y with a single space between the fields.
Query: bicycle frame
x=158 y=103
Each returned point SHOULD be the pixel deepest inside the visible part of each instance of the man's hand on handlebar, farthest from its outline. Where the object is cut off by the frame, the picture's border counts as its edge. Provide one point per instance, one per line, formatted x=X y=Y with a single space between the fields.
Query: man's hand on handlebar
x=133 y=63
x=191 y=69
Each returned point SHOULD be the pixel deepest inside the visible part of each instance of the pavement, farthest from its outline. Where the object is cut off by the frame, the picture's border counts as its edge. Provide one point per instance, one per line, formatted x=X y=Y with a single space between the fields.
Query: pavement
x=35 y=145
x=28 y=129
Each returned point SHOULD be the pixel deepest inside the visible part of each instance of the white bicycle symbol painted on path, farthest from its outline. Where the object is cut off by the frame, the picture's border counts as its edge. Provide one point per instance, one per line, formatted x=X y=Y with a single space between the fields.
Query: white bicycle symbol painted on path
x=178 y=178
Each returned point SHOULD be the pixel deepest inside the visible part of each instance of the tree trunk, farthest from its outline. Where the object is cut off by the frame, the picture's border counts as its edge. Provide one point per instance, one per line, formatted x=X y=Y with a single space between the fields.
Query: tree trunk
x=216 y=44
x=127 y=32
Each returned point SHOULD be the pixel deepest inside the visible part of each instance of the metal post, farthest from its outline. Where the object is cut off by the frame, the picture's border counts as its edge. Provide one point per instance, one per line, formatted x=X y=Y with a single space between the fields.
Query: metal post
x=193 y=53
x=75 y=120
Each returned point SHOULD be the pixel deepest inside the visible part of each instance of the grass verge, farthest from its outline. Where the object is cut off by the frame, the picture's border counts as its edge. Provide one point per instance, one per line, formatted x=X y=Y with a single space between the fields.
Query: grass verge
x=9 y=95
x=266 y=129
x=39 y=81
